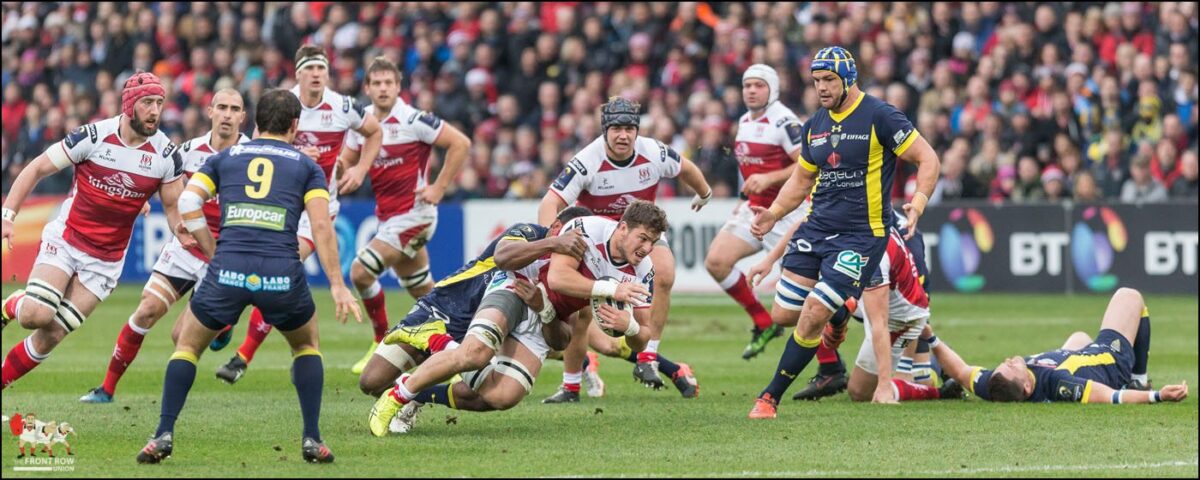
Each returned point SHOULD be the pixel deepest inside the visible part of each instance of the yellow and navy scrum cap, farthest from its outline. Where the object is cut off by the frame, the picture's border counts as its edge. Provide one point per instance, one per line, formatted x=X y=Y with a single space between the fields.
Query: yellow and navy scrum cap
x=837 y=60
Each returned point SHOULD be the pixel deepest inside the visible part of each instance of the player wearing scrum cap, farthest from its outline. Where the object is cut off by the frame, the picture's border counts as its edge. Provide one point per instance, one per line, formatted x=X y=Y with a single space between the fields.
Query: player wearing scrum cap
x=119 y=163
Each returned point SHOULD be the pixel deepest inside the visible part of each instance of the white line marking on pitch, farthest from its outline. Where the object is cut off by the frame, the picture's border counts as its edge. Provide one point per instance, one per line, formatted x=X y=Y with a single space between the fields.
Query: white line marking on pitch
x=925 y=473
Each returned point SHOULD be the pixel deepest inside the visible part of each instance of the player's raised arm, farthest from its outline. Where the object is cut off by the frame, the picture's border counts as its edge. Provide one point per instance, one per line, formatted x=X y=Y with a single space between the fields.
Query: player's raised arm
x=457 y=147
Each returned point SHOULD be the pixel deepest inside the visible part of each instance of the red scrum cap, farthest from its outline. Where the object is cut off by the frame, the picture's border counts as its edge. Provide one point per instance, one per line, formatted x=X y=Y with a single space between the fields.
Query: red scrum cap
x=140 y=85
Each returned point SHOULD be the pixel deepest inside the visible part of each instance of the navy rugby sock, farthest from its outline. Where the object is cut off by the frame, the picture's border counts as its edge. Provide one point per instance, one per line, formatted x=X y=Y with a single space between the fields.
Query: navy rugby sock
x=308 y=375
x=793 y=361
x=437 y=394
x=1141 y=345
x=181 y=373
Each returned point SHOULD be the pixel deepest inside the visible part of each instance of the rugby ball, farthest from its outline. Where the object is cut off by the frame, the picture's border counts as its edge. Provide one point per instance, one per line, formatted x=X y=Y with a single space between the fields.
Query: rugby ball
x=598 y=301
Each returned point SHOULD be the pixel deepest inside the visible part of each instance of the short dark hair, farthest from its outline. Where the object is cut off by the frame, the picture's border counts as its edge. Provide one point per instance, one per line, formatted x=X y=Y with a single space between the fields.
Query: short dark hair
x=571 y=213
x=382 y=65
x=1001 y=389
x=308 y=51
x=276 y=110
x=645 y=214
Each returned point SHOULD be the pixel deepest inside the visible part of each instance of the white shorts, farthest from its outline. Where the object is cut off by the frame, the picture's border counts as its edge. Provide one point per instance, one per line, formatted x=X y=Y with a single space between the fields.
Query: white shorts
x=98 y=276
x=528 y=330
x=743 y=218
x=908 y=333
x=176 y=262
x=409 y=232
x=29 y=436
x=304 y=228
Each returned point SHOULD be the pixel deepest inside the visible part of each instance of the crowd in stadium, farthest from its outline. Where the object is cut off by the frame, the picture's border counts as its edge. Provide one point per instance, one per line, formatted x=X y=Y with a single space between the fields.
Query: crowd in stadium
x=1023 y=103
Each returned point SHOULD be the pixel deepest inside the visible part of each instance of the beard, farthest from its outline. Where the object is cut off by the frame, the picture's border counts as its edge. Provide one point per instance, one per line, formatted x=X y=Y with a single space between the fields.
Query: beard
x=139 y=126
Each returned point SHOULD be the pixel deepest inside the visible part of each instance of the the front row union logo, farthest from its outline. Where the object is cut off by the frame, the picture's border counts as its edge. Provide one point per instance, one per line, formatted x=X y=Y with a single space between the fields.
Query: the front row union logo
x=1098 y=235
x=963 y=240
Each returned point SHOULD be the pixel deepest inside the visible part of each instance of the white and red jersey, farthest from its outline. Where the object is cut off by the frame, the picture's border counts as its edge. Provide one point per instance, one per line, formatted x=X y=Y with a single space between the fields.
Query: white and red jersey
x=594 y=181
x=907 y=299
x=767 y=144
x=403 y=162
x=194 y=153
x=324 y=126
x=597 y=263
x=112 y=183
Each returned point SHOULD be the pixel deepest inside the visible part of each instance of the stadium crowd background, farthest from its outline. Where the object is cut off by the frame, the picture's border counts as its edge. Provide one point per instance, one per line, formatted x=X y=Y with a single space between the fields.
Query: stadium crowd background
x=1024 y=102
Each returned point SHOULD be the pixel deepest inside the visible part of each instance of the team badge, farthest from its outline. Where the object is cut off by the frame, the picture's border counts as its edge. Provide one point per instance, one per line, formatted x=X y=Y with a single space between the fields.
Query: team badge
x=850 y=263
x=835 y=136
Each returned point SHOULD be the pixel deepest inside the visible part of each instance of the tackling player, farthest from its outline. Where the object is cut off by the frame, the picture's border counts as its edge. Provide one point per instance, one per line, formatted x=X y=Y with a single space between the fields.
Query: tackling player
x=849 y=152
x=263 y=184
x=178 y=268
x=616 y=250
x=325 y=118
x=768 y=141
x=405 y=204
x=1084 y=370
x=119 y=163
x=612 y=172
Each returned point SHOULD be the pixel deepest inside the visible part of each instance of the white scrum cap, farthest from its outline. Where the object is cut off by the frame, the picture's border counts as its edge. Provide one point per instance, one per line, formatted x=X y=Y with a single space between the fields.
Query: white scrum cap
x=766 y=74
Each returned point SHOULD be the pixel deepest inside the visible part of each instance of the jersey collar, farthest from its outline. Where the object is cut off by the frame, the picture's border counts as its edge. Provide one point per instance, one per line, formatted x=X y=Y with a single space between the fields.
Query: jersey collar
x=839 y=117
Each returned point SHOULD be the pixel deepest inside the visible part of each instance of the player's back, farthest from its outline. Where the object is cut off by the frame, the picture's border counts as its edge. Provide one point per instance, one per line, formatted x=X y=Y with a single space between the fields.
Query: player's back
x=459 y=294
x=263 y=186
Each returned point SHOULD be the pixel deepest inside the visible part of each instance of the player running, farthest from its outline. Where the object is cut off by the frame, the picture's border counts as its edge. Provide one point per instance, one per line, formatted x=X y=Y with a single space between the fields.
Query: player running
x=325 y=118
x=849 y=152
x=512 y=337
x=405 y=204
x=178 y=268
x=263 y=184
x=449 y=308
x=768 y=141
x=119 y=163
x=608 y=175
x=1112 y=368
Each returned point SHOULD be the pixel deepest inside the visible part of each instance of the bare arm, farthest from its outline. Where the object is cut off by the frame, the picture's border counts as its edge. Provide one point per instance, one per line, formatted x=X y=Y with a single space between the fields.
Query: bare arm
x=549 y=208
x=760 y=270
x=373 y=138
x=41 y=167
x=952 y=365
x=1101 y=393
x=797 y=187
x=457 y=146
x=758 y=182
x=326 y=243
x=190 y=207
x=564 y=278
x=928 y=167
x=516 y=254
x=691 y=176
x=349 y=158
x=169 y=194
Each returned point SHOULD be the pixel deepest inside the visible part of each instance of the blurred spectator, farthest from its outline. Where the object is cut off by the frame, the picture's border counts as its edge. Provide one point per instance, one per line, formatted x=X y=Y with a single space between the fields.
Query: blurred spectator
x=1076 y=87
x=1141 y=186
x=1185 y=185
x=1085 y=189
x=1054 y=184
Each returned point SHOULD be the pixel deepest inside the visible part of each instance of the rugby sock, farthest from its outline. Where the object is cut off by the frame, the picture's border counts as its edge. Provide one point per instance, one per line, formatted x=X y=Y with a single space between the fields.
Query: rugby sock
x=736 y=286
x=907 y=391
x=650 y=353
x=128 y=344
x=19 y=361
x=254 y=336
x=373 y=299
x=831 y=338
x=439 y=342
x=571 y=381
x=834 y=366
x=400 y=393
x=181 y=373
x=308 y=375
x=797 y=354
x=13 y=305
x=665 y=366
x=437 y=394
x=1141 y=346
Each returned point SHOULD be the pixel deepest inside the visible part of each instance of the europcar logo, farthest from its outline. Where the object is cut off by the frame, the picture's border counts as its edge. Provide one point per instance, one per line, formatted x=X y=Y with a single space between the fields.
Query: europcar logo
x=1097 y=236
x=962 y=242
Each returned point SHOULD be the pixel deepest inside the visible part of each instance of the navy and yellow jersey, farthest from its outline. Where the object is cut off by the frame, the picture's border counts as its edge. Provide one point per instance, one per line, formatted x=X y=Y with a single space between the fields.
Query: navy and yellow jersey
x=459 y=294
x=1068 y=375
x=263 y=185
x=854 y=156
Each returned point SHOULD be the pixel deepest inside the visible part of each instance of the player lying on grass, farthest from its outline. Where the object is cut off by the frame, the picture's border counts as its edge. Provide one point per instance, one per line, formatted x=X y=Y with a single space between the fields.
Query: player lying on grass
x=441 y=318
x=616 y=250
x=1084 y=370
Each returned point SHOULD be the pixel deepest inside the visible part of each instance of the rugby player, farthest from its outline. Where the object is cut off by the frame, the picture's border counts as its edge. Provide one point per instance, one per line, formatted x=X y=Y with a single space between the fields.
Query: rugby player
x=608 y=175
x=178 y=268
x=263 y=185
x=849 y=151
x=119 y=163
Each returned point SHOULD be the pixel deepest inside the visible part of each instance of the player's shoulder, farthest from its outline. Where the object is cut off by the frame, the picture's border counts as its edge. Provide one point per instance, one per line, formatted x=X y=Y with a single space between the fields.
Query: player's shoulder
x=780 y=115
x=877 y=105
x=588 y=160
x=344 y=104
x=655 y=150
x=593 y=226
x=528 y=231
x=413 y=116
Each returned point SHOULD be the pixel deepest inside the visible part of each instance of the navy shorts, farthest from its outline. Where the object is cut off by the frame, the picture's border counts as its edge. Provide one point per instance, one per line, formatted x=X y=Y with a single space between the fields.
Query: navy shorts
x=844 y=262
x=1114 y=374
x=424 y=312
x=916 y=246
x=277 y=286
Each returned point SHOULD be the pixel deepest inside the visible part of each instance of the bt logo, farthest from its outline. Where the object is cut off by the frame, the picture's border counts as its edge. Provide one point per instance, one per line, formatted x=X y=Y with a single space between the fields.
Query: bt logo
x=959 y=251
x=1094 y=241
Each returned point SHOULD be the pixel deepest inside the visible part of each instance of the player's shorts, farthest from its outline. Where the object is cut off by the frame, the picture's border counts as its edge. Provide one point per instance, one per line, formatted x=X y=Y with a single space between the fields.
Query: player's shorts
x=98 y=276
x=409 y=232
x=30 y=436
x=900 y=339
x=421 y=313
x=844 y=262
x=916 y=246
x=304 y=228
x=277 y=286
x=183 y=269
x=527 y=327
x=743 y=218
x=1117 y=373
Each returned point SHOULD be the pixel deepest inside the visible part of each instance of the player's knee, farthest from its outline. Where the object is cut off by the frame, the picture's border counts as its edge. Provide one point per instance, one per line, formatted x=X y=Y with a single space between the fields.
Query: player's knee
x=506 y=400
x=717 y=265
x=1130 y=295
x=858 y=393
x=474 y=355
x=371 y=383
x=148 y=312
x=360 y=276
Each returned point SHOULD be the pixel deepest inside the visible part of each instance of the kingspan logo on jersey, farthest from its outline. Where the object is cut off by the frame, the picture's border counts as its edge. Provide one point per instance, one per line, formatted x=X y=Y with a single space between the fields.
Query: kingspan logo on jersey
x=119 y=184
x=254 y=282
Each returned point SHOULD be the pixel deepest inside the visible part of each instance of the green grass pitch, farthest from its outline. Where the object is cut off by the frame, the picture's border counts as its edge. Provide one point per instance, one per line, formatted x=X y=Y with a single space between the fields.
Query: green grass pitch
x=253 y=428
